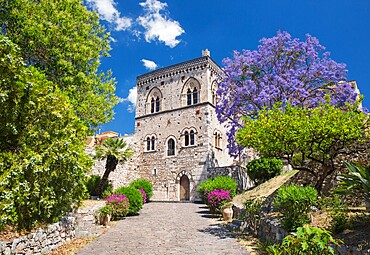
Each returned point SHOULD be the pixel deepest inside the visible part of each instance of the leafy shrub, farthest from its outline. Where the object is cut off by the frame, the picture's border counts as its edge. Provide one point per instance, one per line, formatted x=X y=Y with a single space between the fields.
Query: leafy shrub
x=105 y=210
x=134 y=196
x=253 y=209
x=308 y=241
x=218 y=183
x=145 y=185
x=294 y=202
x=120 y=205
x=92 y=185
x=216 y=199
x=143 y=194
x=337 y=210
x=262 y=169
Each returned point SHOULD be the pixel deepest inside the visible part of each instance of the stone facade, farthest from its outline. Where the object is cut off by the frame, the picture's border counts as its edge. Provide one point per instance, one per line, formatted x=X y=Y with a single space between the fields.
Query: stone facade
x=177 y=135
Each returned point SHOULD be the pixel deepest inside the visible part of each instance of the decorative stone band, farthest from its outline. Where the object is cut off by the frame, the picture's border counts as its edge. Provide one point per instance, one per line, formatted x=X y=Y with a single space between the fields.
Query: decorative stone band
x=198 y=63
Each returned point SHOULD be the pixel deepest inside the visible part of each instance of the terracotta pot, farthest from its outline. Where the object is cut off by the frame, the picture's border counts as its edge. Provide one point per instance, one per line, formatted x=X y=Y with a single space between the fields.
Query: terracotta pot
x=227 y=213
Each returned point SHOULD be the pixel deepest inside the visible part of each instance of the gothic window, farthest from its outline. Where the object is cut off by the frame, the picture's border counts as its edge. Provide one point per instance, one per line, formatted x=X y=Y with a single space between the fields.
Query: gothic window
x=192 y=137
x=187 y=138
x=154 y=101
x=157 y=104
x=189 y=95
x=153 y=143
x=214 y=93
x=148 y=144
x=217 y=140
x=152 y=106
x=195 y=96
x=171 y=147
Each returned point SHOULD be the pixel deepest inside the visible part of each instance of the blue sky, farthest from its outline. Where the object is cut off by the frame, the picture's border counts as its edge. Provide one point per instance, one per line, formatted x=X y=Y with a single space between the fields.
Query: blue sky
x=151 y=34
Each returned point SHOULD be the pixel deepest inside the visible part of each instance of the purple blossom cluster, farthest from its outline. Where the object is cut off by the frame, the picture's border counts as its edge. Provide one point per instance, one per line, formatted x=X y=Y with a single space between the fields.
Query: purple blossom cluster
x=143 y=195
x=116 y=198
x=216 y=198
x=284 y=70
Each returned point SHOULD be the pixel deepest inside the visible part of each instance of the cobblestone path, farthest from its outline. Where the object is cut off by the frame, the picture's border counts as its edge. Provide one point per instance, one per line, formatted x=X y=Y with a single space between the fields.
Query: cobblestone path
x=167 y=228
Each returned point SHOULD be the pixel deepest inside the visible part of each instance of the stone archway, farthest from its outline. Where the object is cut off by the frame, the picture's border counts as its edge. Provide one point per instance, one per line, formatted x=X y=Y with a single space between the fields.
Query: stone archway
x=183 y=180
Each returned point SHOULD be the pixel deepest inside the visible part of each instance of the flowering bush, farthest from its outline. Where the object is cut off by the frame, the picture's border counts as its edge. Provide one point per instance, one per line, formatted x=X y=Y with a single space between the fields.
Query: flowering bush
x=143 y=194
x=216 y=199
x=120 y=205
x=217 y=183
x=134 y=197
x=145 y=185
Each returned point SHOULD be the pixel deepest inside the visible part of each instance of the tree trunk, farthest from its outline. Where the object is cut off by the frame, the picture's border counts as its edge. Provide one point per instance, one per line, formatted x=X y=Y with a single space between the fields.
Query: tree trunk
x=110 y=166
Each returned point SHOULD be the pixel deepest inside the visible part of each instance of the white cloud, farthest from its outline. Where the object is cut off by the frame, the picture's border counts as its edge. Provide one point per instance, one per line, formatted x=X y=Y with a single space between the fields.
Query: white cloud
x=131 y=99
x=150 y=65
x=158 y=26
x=107 y=11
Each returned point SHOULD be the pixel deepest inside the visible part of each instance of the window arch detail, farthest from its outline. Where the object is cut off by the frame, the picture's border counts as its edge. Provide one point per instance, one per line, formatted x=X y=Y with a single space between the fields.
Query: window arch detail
x=214 y=88
x=171 y=146
x=217 y=139
x=150 y=143
x=191 y=92
x=189 y=137
x=154 y=101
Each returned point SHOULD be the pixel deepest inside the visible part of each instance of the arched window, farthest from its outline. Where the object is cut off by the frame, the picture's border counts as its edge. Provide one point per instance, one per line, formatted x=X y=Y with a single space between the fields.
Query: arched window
x=186 y=138
x=152 y=106
x=217 y=140
x=157 y=104
x=153 y=143
x=195 y=96
x=192 y=137
x=171 y=147
x=148 y=144
x=189 y=94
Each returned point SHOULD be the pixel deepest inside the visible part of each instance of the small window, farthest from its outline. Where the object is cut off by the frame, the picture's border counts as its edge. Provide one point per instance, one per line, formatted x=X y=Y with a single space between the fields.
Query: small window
x=186 y=138
x=195 y=96
x=218 y=140
x=157 y=104
x=171 y=147
x=153 y=143
x=148 y=144
x=189 y=94
x=152 y=105
x=192 y=137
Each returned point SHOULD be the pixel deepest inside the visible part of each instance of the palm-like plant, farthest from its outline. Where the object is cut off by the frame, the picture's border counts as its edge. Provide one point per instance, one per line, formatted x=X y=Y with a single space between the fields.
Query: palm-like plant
x=114 y=151
x=358 y=179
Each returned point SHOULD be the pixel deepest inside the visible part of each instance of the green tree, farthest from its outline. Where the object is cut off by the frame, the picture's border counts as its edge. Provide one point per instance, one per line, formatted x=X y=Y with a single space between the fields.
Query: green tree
x=65 y=41
x=42 y=159
x=113 y=150
x=310 y=140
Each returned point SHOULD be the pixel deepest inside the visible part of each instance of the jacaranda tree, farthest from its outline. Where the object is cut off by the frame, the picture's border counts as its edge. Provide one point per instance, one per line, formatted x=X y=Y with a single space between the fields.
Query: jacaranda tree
x=284 y=70
x=309 y=139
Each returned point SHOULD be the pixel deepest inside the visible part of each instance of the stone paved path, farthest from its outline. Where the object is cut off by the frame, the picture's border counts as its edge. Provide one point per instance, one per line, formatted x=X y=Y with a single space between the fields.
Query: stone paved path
x=167 y=228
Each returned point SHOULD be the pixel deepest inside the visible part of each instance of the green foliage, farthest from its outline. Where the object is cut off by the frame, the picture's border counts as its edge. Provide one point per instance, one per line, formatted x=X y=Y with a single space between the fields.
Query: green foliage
x=105 y=210
x=218 y=183
x=145 y=185
x=310 y=139
x=263 y=169
x=42 y=144
x=253 y=209
x=357 y=180
x=294 y=202
x=65 y=41
x=337 y=210
x=92 y=185
x=308 y=241
x=134 y=196
x=113 y=150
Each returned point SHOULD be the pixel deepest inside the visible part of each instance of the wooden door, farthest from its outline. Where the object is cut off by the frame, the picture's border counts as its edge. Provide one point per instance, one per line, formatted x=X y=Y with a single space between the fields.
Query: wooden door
x=184 y=188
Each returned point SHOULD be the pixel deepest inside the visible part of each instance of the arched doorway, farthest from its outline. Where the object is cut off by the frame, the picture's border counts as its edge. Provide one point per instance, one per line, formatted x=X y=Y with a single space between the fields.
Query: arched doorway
x=184 y=188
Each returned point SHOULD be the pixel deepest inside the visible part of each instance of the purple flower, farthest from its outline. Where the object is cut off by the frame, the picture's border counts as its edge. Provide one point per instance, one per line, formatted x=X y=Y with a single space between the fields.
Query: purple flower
x=281 y=70
x=143 y=194
x=217 y=198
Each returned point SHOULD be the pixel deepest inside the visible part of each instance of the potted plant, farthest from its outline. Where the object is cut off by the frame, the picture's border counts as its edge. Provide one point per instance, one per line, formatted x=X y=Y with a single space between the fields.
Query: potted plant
x=227 y=211
x=105 y=214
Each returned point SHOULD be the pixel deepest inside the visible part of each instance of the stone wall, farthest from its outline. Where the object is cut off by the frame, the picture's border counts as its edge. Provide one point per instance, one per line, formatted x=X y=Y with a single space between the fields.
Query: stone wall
x=81 y=224
x=42 y=241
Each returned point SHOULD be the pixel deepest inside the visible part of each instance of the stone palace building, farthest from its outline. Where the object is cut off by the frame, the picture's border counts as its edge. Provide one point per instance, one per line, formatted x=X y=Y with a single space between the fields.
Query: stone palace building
x=177 y=138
